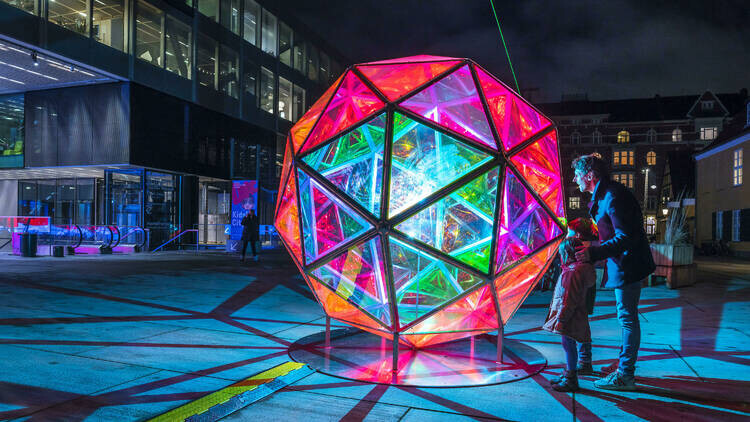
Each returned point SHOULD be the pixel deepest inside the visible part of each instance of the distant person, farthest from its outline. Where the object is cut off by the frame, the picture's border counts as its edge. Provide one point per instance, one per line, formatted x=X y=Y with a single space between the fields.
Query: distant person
x=624 y=245
x=568 y=311
x=250 y=227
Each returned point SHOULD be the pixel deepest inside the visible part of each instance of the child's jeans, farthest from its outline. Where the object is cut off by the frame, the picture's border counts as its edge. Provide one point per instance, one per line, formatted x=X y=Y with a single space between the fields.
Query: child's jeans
x=571 y=352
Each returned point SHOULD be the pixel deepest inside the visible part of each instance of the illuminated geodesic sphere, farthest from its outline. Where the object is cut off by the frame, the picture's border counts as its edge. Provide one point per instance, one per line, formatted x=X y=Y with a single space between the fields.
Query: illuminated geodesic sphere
x=421 y=196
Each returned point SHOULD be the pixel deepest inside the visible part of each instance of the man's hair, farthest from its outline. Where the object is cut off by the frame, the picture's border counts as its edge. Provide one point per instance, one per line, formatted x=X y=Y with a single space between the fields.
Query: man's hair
x=593 y=163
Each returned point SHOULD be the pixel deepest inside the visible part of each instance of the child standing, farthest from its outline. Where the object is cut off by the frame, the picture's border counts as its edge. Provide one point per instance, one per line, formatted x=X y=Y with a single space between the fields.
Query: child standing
x=568 y=314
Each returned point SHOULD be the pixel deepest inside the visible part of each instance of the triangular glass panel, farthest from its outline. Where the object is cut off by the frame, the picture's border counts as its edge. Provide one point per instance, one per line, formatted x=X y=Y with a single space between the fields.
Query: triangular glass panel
x=397 y=80
x=354 y=163
x=461 y=223
x=287 y=218
x=327 y=222
x=305 y=124
x=524 y=224
x=424 y=160
x=423 y=282
x=338 y=308
x=358 y=276
x=515 y=120
x=514 y=286
x=352 y=103
x=539 y=165
x=412 y=59
x=453 y=102
x=285 y=169
x=462 y=318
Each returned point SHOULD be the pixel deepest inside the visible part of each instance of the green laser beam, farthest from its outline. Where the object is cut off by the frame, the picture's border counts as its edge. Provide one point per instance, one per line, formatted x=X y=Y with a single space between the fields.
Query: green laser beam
x=507 y=54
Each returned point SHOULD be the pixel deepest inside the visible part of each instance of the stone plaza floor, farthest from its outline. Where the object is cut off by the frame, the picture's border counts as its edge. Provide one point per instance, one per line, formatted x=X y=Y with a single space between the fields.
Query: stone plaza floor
x=121 y=338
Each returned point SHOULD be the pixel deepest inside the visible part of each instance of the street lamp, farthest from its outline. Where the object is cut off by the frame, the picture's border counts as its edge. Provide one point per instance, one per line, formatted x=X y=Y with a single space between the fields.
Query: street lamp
x=664 y=211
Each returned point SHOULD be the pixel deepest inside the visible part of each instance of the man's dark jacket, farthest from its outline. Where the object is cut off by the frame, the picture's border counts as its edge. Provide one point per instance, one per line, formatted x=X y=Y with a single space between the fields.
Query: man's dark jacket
x=250 y=228
x=622 y=239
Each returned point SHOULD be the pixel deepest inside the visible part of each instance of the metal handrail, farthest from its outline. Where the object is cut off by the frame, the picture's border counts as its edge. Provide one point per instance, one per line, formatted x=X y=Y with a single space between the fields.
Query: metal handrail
x=175 y=238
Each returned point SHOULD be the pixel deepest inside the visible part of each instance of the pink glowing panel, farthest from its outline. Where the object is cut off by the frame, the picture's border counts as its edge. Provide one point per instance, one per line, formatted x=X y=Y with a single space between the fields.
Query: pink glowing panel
x=397 y=80
x=409 y=219
x=515 y=285
x=475 y=312
x=305 y=124
x=287 y=219
x=453 y=102
x=411 y=59
x=515 y=120
x=352 y=103
x=524 y=224
x=540 y=167
x=358 y=276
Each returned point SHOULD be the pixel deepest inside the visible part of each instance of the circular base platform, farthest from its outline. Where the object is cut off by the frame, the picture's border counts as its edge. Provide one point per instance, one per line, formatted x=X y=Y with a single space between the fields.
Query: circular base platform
x=360 y=356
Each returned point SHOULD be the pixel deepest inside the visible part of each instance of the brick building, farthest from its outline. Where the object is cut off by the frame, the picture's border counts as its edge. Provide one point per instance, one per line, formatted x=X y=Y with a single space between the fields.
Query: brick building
x=635 y=136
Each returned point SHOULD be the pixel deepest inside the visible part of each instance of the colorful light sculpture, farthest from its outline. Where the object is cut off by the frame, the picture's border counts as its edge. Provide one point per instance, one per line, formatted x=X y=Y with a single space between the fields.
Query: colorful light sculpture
x=421 y=198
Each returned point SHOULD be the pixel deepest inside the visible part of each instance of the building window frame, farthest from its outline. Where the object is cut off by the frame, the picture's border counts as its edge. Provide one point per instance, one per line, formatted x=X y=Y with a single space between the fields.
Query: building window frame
x=736 y=218
x=737 y=164
x=709 y=133
x=574 y=202
x=651 y=136
x=677 y=135
x=623 y=137
x=596 y=137
x=651 y=158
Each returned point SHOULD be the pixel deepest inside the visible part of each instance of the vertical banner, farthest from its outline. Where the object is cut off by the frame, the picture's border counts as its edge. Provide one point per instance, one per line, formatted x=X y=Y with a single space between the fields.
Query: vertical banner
x=244 y=197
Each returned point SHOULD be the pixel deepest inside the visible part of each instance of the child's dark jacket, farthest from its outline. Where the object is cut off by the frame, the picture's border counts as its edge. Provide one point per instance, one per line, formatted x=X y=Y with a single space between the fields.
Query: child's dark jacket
x=568 y=312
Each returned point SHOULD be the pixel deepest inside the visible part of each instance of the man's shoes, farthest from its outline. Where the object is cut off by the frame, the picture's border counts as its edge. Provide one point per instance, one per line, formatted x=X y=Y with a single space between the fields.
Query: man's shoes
x=568 y=383
x=584 y=368
x=606 y=370
x=616 y=381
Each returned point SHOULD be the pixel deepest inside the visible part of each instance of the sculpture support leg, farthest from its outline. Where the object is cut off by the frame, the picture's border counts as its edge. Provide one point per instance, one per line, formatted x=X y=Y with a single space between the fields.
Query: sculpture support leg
x=328 y=332
x=500 y=334
x=395 y=353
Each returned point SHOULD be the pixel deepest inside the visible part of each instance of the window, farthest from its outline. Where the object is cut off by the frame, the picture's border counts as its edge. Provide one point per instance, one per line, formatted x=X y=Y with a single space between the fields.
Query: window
x=574 y=202
x=623 y=158
x=250 y=22
x=623 y=137
x=11 y=131
x=285 y=99
x=676 y=135
x=651 y=158
x=149 y=27
x=285 y=44
x=70 y=14
x=206 y=62
x=300 y=55
x=736 y=225
x=109 y=23
x=575 y=137
x=708 y=133
x=268 y=33
x=596 y=137
x=707 y=105
x=229 y=69
x=650 y=224
x=25 y=5
x=250 y=79
x=737 y=167
x=298 y=102
x=178 y=51
x=209 y=8
x=624 y=178
x=719 y=225
x=651 y=136
x=325 y=68
x=266 y=90
x=312 y=62
x=230 y=15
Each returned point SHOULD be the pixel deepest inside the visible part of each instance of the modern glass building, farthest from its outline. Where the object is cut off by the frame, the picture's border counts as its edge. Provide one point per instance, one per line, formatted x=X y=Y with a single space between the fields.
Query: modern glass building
x=142 y=112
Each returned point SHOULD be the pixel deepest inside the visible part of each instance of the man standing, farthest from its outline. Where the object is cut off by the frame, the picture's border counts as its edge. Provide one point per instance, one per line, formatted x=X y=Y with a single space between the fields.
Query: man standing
x=624 y=245
x=250 y=228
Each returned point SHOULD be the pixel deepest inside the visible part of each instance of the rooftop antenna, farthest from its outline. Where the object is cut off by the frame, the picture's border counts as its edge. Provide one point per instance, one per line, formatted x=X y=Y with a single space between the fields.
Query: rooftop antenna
x=507 y=54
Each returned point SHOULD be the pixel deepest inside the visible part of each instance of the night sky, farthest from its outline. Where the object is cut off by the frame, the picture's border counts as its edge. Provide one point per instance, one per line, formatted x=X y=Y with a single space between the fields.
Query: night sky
x=607 y=49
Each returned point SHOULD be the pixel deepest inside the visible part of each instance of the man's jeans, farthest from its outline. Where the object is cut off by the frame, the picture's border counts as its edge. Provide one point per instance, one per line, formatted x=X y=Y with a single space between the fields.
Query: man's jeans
x=627 y=299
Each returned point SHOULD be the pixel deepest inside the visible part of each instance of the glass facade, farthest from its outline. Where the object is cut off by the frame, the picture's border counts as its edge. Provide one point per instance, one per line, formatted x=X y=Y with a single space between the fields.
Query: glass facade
x=268 y=33
x=229 y=72
x=250 y=22
x=300 y=55
x=30 y=6
x=65 y=201
x=70 y=14
x=178 y=52
x=285 y=99
x=149 y=29
x=298 y=102
x=285 y=44
x=209 y=9
x=11 y=131
x=266 y=90
x=230 y=15
x=109 y=23
x=205 y=64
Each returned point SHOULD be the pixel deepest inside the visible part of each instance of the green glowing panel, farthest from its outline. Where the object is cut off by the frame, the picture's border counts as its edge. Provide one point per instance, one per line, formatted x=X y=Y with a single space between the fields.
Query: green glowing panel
x=461 y=223
x=424 y=160
x=354 y=163
x=423 y=282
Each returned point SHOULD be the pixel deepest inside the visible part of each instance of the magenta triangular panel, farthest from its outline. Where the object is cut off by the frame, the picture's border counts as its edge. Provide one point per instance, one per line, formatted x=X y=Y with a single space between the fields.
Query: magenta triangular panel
x=539 y=165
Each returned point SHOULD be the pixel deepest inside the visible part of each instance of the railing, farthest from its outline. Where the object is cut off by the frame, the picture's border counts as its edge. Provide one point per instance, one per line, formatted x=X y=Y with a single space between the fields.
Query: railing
x=177 y=236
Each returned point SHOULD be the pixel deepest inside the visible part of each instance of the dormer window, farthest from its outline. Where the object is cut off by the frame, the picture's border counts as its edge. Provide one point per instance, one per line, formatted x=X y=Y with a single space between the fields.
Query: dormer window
x=707 y=105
